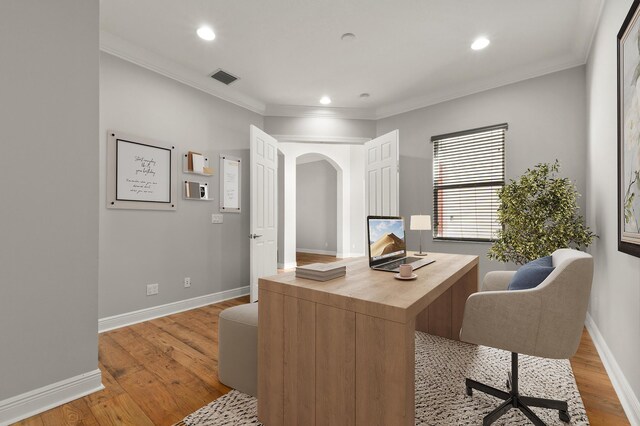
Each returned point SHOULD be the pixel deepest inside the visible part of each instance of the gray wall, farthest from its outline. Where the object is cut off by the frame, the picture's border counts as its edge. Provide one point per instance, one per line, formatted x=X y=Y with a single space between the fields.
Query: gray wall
x=316 y=126
x=546 y=117
x=48 y=182
x=316 y=206
x=141 y=247
x=615 y=296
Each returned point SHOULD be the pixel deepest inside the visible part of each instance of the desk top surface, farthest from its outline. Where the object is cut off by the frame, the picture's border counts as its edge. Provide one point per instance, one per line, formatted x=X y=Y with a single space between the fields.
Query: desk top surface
x=377 y=293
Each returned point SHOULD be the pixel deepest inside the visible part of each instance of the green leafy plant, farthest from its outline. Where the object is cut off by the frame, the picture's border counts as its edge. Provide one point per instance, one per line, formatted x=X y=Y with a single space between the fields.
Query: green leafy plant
x=539 y=214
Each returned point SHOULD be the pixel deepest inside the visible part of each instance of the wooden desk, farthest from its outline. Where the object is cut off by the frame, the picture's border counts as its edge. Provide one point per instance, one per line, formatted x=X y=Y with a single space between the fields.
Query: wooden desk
x=342 y=352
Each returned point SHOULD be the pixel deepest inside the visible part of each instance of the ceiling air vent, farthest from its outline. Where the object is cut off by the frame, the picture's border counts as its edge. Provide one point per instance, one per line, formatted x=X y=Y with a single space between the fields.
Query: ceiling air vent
x=223 y=77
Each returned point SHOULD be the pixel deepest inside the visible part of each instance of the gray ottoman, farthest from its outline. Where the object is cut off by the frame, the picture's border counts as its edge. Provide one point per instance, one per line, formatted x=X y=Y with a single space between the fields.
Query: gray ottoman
x=238 y=348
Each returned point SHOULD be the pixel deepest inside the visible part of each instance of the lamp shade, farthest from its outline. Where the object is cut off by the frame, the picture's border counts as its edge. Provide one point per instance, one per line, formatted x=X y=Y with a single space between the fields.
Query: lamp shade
x=420 y=223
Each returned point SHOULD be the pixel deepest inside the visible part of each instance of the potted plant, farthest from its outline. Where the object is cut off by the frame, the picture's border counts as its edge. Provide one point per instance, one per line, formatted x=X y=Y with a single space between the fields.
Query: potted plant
x=539 y=214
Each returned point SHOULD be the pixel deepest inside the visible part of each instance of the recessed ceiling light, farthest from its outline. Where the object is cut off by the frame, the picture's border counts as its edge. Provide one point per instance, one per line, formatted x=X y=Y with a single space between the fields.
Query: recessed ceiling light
x=480 y=43
x=206 y=33
x=348 y=37
x=325 y=100
x=364 y=95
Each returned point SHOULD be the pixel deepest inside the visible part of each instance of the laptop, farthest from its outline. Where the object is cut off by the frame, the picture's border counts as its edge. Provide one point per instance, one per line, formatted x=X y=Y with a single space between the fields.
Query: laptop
x=387 y=248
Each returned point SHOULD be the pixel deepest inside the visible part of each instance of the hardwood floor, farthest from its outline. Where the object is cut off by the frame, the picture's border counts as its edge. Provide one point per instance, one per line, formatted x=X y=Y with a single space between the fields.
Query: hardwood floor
x=159 y=371
x=154 y=373
x=599 y=397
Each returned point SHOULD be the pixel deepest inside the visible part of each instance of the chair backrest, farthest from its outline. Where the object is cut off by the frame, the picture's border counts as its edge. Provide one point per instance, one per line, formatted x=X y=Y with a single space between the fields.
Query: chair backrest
x=565 y=299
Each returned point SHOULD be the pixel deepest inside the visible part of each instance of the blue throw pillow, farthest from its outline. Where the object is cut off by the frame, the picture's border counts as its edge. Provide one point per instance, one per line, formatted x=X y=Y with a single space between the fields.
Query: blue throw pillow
x=531 y=274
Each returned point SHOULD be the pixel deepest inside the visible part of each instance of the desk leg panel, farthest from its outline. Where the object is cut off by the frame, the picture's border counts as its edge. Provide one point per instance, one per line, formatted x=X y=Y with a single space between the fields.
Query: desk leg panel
x=299 y=362
x=270 y=358
x=465 y=287
x=335 y=366
x=385 y=359
x=440 y=315
x=422 y=320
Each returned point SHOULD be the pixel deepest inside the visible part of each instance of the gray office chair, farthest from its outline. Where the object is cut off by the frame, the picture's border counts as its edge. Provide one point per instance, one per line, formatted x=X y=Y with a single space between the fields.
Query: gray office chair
x=546 y=321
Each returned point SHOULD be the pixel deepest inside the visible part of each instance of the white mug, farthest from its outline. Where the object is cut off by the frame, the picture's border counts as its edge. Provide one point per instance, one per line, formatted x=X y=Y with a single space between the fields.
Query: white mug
x=406 y=270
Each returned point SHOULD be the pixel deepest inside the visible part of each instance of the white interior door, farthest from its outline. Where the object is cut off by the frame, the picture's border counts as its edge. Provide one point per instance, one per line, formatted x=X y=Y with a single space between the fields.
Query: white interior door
x=382 y=165
x=264 y=207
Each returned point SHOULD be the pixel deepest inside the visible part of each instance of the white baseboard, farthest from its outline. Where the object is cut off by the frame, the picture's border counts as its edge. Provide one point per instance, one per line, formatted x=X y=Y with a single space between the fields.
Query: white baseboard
x=129 y=318
x=290 y=265
x=628 y=399
x=42 y=399
x=314 y=251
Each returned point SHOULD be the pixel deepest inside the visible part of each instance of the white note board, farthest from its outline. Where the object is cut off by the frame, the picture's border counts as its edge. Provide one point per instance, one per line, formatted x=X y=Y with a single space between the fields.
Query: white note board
x=141 y=173
x=230 y=180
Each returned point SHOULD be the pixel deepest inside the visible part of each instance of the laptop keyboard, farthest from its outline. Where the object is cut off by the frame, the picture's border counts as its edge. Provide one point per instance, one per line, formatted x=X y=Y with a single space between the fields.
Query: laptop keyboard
x=393 y=265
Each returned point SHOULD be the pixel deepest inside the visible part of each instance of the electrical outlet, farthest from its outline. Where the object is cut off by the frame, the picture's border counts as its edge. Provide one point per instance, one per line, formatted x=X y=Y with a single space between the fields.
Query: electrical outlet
x=187 y=282
x=152 y=289
x=216 y=218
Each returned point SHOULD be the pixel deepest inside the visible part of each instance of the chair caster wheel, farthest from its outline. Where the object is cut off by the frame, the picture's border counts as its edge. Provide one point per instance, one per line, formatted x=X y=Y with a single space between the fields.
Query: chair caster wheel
x=564 y=416
x=469 y=391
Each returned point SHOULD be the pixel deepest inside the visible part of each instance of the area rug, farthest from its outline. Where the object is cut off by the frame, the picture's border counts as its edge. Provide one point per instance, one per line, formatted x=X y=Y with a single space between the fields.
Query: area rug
x=441 y=367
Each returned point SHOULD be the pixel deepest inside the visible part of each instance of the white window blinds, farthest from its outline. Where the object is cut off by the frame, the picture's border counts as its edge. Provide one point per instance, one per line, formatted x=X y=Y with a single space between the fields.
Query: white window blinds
x=468 y=170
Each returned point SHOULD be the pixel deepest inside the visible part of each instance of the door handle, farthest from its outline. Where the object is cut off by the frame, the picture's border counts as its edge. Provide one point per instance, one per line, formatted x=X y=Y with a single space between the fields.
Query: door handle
x=254 y=236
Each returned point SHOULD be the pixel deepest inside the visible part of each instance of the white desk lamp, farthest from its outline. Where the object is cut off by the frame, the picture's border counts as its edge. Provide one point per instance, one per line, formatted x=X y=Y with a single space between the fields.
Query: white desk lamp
x=420 y=223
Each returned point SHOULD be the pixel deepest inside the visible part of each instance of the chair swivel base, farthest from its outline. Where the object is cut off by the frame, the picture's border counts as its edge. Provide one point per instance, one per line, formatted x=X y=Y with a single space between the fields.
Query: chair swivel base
x=513 y=399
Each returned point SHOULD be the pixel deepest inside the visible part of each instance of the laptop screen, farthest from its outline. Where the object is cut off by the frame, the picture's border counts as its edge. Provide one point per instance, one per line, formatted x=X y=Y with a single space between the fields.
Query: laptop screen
x=386 y=239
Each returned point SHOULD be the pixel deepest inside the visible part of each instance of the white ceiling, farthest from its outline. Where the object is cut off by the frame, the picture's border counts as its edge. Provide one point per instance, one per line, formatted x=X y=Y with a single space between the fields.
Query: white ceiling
x=407 y=54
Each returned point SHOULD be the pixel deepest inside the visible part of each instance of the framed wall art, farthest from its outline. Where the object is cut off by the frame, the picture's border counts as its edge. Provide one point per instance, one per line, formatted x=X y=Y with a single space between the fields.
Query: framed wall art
x=141 y=173
x=629 y=133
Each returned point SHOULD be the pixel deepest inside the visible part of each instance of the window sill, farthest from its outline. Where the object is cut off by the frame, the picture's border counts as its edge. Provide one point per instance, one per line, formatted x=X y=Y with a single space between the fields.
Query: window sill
x=441 y=240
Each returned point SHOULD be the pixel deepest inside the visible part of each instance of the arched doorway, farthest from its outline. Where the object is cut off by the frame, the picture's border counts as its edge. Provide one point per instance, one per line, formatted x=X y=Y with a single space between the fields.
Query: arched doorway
x=347 y=162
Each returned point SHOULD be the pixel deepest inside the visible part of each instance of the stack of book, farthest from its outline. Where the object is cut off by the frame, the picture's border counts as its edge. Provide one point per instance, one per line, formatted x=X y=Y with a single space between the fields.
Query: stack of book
x=321 y=271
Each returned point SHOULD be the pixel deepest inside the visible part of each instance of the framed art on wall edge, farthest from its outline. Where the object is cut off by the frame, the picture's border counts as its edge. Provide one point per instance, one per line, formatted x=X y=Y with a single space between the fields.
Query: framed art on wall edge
x=629 y=133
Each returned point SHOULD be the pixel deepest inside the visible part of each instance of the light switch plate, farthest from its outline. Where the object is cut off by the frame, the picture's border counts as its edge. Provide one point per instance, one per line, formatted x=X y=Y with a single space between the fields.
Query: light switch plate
x=152 y=289
x=216 y=218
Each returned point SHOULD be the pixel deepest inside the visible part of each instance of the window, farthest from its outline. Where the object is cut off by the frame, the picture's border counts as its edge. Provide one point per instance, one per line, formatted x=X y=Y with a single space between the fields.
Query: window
x=468 y=170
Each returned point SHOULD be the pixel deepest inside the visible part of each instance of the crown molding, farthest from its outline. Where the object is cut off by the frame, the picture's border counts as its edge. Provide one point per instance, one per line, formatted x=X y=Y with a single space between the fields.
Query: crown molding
x=123 y=49
x=420 y=102
x=433 y=99
x=127 y=51
x=596 y=15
